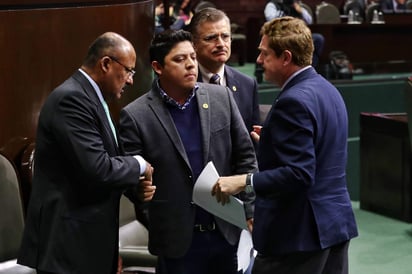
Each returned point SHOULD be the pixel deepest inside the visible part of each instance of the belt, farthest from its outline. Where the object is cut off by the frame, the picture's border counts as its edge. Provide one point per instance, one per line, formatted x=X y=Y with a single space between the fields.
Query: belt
x=204 y=228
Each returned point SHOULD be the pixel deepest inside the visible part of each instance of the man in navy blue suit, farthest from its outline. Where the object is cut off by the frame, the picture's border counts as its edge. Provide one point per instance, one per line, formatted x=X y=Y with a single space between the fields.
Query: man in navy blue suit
x=211 y=32
x=303 y=219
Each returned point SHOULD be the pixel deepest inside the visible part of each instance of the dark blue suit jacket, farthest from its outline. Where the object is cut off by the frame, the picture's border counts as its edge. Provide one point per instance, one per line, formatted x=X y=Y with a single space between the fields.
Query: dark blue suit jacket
x=302 y=201
x=245 y=92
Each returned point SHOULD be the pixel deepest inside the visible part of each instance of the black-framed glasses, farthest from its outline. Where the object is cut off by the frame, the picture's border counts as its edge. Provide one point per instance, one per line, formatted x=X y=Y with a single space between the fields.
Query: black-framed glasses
x=213 y=38
x=130 y=71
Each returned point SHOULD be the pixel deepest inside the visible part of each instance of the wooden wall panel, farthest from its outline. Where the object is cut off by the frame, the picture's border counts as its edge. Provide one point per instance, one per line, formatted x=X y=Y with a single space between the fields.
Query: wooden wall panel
x=41 y=47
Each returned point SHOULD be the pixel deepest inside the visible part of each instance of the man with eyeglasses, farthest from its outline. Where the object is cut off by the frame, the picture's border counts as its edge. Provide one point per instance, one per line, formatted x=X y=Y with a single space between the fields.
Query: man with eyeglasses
x=211 y=32
x=80 y=172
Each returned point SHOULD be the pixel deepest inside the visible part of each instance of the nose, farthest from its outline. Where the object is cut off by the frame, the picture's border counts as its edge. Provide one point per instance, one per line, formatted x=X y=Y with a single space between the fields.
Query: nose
x=259 y=59
x=129 y=80
x=191 y=62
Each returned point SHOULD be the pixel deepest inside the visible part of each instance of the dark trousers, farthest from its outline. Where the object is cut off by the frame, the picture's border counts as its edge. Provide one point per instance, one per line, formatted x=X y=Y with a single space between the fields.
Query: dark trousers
x=331 y=260
x=209 y=253
x=44 y=272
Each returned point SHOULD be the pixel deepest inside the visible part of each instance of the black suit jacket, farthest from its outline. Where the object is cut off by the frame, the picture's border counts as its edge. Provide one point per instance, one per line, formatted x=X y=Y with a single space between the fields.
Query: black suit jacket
x=147 y=128
x=245 y=92
x=72 y=222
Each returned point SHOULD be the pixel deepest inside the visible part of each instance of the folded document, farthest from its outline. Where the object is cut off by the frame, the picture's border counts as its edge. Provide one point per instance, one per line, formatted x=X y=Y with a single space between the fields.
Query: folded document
x=232 y=212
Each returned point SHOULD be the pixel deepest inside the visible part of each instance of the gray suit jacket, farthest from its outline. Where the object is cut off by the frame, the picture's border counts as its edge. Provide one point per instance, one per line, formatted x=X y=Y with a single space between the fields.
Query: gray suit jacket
x=147 y=128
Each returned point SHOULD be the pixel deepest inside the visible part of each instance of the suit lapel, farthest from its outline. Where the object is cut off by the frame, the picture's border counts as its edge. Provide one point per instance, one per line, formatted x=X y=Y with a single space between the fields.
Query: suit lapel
x=89 y=90
x=163 y=115
x=231 y=81
x=204 y=113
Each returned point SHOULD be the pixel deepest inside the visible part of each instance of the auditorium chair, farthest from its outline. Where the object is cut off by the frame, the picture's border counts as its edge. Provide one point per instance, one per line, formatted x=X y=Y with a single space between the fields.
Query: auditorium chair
x=20 y=151
x=12 y=220
x=133 y=240
x=370 y=11
x=327 y=13
x=356 y=7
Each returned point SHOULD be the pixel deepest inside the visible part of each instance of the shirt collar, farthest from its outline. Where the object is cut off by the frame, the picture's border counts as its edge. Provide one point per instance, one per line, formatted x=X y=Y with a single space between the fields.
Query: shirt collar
x=294 y=75
x=94 y=85
x=170 y=101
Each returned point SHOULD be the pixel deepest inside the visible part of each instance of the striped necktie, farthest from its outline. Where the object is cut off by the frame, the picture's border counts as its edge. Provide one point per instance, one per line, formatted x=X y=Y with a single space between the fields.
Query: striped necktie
x=106 y=109
x=215 y=79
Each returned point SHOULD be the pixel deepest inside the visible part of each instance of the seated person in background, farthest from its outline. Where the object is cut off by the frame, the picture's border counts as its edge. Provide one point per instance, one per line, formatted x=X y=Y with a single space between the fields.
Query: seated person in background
x=179 y=18
x=279 y=8
x=394 y=5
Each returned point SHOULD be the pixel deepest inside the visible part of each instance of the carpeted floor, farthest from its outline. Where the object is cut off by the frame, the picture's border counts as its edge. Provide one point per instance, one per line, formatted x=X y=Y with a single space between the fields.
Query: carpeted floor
x=384 y=245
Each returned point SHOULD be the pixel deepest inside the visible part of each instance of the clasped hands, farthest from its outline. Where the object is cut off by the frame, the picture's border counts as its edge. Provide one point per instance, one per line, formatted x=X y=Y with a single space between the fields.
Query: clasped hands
x=146 y=189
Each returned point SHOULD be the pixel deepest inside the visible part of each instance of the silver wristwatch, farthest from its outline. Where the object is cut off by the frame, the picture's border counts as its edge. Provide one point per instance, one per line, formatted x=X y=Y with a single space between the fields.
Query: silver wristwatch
x=249 y=187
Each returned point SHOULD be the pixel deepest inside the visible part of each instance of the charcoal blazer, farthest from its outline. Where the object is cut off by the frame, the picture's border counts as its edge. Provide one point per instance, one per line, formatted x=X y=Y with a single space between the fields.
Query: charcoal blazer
x=72 y=221
x=245 y=92
x=147 y=128
x=302 y=202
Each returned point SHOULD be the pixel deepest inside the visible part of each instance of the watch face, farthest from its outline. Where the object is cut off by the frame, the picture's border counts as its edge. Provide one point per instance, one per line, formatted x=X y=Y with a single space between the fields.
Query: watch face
x=248 y=189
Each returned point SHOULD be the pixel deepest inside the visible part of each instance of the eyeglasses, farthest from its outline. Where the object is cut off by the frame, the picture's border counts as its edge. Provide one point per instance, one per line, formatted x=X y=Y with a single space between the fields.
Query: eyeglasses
x=213 y=38
x=130 y=71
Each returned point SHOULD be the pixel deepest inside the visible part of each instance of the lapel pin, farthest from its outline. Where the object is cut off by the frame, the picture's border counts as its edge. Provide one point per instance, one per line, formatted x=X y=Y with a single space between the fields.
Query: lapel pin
x=205 y=106
x=234 y=88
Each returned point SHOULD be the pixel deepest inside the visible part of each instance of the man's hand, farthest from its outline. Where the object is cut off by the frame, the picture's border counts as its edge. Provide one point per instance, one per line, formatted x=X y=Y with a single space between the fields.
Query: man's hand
x=119 y=265
x=256 y=133
x=227 y=186
x=148 y=172
x=146 y=189
x=249 y=223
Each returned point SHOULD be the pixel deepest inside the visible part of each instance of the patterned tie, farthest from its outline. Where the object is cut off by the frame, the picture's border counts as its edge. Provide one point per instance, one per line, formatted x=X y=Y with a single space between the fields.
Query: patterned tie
x=215 y=79
x=106 y=109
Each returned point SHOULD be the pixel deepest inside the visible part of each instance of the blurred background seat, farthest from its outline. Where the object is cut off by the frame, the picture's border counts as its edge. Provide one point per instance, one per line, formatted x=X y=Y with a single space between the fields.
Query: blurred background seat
x=12 y=220
x=327 y=13
x=357 y=7
x=133 y=241
x=370 y=10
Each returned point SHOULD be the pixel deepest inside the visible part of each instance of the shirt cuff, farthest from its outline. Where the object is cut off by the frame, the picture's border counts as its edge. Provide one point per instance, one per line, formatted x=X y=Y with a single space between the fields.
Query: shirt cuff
x=142 y=163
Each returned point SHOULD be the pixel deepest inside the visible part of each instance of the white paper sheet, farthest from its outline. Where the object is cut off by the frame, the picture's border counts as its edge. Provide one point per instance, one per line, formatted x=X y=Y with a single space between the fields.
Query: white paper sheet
x=232 y=212
x=245 y=250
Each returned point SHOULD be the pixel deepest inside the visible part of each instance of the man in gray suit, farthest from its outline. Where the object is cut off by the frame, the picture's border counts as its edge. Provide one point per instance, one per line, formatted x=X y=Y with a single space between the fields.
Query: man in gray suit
x=179 y=126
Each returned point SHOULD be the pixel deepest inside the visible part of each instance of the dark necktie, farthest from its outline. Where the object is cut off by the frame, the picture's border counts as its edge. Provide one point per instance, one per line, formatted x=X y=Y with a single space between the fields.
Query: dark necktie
x=215 y=79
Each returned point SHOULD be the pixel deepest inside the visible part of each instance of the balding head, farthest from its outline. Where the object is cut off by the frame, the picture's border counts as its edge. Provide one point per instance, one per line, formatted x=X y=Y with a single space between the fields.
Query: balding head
x=110 y=44
x=110 y=63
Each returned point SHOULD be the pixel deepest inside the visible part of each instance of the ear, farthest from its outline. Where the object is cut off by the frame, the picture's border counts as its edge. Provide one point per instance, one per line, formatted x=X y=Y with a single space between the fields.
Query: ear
x=105 y=63
x=287 y=57
x=157 y=67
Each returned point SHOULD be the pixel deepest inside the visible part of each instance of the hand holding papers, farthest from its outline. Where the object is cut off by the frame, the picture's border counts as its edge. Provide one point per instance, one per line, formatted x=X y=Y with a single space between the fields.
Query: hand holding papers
x=232 y=212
